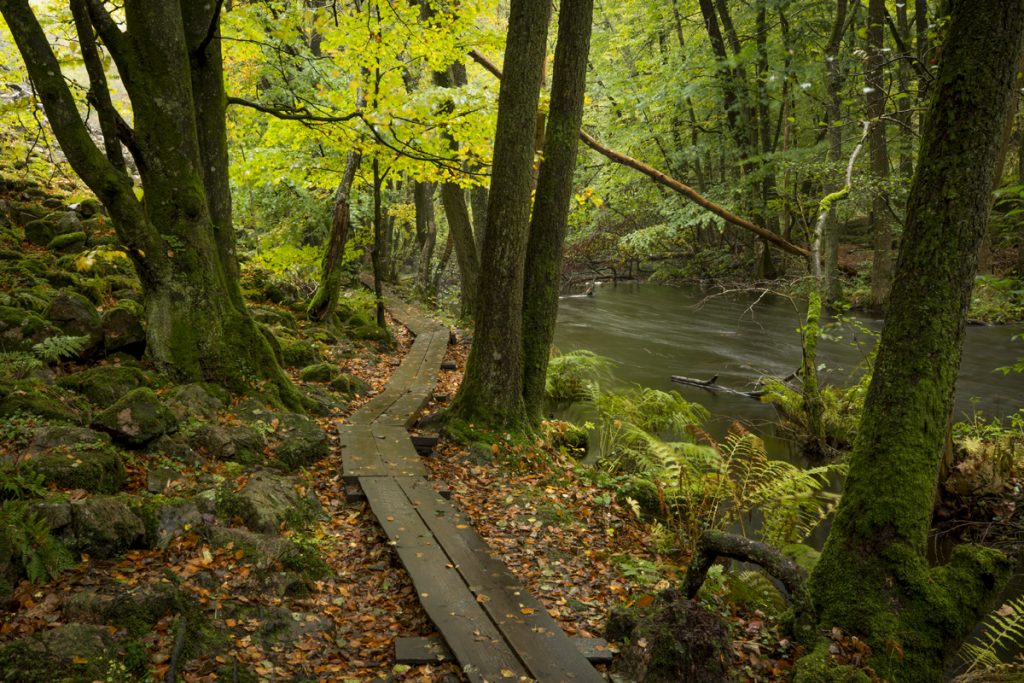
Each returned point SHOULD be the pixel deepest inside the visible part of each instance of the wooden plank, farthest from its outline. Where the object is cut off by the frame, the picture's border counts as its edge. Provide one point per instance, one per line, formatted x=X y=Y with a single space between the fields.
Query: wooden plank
x=469 y=632
x=359 y=453
x=397 y=452
x=548 y=653
x=594 y=649
x=427 y=650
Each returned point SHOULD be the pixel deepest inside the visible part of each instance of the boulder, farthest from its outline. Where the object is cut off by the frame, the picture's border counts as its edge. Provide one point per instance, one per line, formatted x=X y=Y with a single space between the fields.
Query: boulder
x=136 y=419
x=175 y=447
x=87 y=208
x=21 y=330
x=77 y=316
x=299 y=441
x=34 y=399
x=50 y=438
x=297 y=353
x=193 y=401
x=72 y=652
x=104 y=384
x=319 y=372
x=75 y=458
x=123 y=330
x=135 y=608
x=240 y=443
x=350 y=385
x=99 y=526
x=269 y=500
x=72 y=242
x=40 y=231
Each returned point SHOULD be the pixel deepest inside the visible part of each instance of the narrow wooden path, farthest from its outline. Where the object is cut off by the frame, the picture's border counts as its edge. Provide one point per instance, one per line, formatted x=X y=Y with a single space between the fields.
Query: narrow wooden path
x=493 y=627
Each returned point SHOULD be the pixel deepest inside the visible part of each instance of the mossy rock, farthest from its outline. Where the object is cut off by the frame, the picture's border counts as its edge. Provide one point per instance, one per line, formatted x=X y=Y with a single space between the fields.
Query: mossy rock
x=36 y=399
x=97 y=469
x=644 y=492
x=274 y=317
x=350 y=385
x=77 y=316
x=41 y=230
x=136 y=419
x=194 y=401
x=134 y=608
x=72 y=652
x=299 y=441
x=104 y=384
x=319 y=372
x=123 y=329
x=69 y=242
x=371 y=332
x=675 y=639
x=297 y=353
x=88 y=207
x=819 y=667
x=20 y=330
x=240 y=443
x=269 y=501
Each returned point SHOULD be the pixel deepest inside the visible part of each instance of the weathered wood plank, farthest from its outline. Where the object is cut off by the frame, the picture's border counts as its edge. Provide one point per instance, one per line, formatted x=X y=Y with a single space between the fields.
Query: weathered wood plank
x=397 y=452
x=359 y=453
x=548 y=653
x=467 y=629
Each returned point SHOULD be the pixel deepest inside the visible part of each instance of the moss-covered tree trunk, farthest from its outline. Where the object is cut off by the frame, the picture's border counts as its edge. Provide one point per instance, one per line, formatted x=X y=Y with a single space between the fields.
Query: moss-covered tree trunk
x=875 y=94
x=554 y=190
x=180 y=237
x=491 y=392
x=873 y=579
x=833 y=111
x=325 y=298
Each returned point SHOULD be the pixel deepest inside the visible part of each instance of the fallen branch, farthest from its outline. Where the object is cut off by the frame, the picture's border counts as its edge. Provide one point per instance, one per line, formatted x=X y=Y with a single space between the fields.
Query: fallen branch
x=668 y=181
x=712 y=385
x=716 y=544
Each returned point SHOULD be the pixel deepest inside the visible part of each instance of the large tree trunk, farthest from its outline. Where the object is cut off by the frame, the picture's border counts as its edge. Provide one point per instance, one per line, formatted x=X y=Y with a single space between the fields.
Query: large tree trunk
x=554 y=190
x=881 y=270
x=833 y=85
x=180 y=237
x=491 y=392
x=873 y=579
x=426 y=231
x=325 y=298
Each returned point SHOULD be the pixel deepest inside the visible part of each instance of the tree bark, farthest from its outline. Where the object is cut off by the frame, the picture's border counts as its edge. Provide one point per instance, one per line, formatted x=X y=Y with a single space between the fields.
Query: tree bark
x=833 y=110
x=426 y=231
x=551 y=206
x=881 y=271
x=197 y=326
x=379 y=242
x=325 y=298
x=873 y=579
x=491 y=393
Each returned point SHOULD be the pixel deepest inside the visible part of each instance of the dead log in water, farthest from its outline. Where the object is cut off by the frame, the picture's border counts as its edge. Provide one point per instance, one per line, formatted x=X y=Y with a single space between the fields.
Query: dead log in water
x=713 y=385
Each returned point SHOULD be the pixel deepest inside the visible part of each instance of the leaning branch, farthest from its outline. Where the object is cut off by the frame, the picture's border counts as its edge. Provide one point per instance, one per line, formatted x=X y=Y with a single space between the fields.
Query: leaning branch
x=713 y=385
x=668 y=181
x=293 y=114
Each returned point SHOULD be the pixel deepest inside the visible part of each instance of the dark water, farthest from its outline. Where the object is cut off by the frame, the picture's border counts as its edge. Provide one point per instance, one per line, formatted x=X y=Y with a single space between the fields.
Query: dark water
x=656 y=331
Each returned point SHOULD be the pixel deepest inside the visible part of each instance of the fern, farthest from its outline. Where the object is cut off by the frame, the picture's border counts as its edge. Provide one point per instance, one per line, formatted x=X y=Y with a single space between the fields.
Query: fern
x=26 y=537
x=54 y=349
x=16 y=484
x=574 y=376
x=17 y=364
x=1004 y=629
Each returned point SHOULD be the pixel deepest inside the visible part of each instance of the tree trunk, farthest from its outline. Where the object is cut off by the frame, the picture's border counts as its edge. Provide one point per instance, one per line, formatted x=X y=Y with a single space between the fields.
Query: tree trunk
x=833 y=85
x=453 y=198
x=379 y=242
x=881 y=271
x=551 y=206
x=873 y=579
x=180 y=239
x=491 y=393
x=426 y=231
x=325 y=298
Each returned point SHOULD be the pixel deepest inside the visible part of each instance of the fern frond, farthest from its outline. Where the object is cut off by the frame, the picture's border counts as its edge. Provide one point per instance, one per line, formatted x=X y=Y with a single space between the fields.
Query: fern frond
x=53 y=349
x=1003 y=629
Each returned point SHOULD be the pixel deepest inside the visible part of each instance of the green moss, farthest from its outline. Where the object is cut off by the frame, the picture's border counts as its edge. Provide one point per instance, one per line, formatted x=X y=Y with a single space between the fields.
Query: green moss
x=320 y=372
x=71 y=241
x=93 y=468
x=104 y=384
x=819 y=667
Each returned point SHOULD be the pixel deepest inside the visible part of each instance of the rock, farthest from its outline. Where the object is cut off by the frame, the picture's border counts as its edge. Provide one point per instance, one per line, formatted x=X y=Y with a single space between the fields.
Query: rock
x=175 y=447
x=72 y=652
x=71 y=242
x=97 y=469
x=104 y=384
x=123 y=330
x=103 y=527
x=675 y=639
x=135 y=608
x=159 y=479
x=320 y=372
x=172 y=520
x=87 y=208
x=299 y=441
x=136 y=418
x=75 y=315
x=21 y=330
x=240 y=443
x=267 y=501
x=271 y=316
x=60 y=438
x=40 y=231
x=324 y=402
x=296 y=353
x=193 y=401
x=26 y=397
x=350 y=385
x=68 y=223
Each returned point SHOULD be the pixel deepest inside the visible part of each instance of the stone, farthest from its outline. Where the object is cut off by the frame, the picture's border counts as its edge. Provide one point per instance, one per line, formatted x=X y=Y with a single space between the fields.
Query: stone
x=297 y=353
x=77 y=316
x=71 y=652
x=320 y=372
x=26 y=397
x=21 y=330
x=123 y=330
x=175 y=447
x=136 y=419
x=172 y=520
x=94 y=469
x=269 y=500
x=240 y=443
x=104 y=384
x=299 y=441
x=271 y=316
x=87 y=208
x=72 y=242
x=135 y=608
x=102 y=527
x=62 y=437
x=40 y=231
x=193 y=401
x=350 y=385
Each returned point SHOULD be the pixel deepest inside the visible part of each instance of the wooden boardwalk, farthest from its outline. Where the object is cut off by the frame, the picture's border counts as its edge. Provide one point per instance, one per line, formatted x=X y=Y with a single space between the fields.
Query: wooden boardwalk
x=493 y=627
